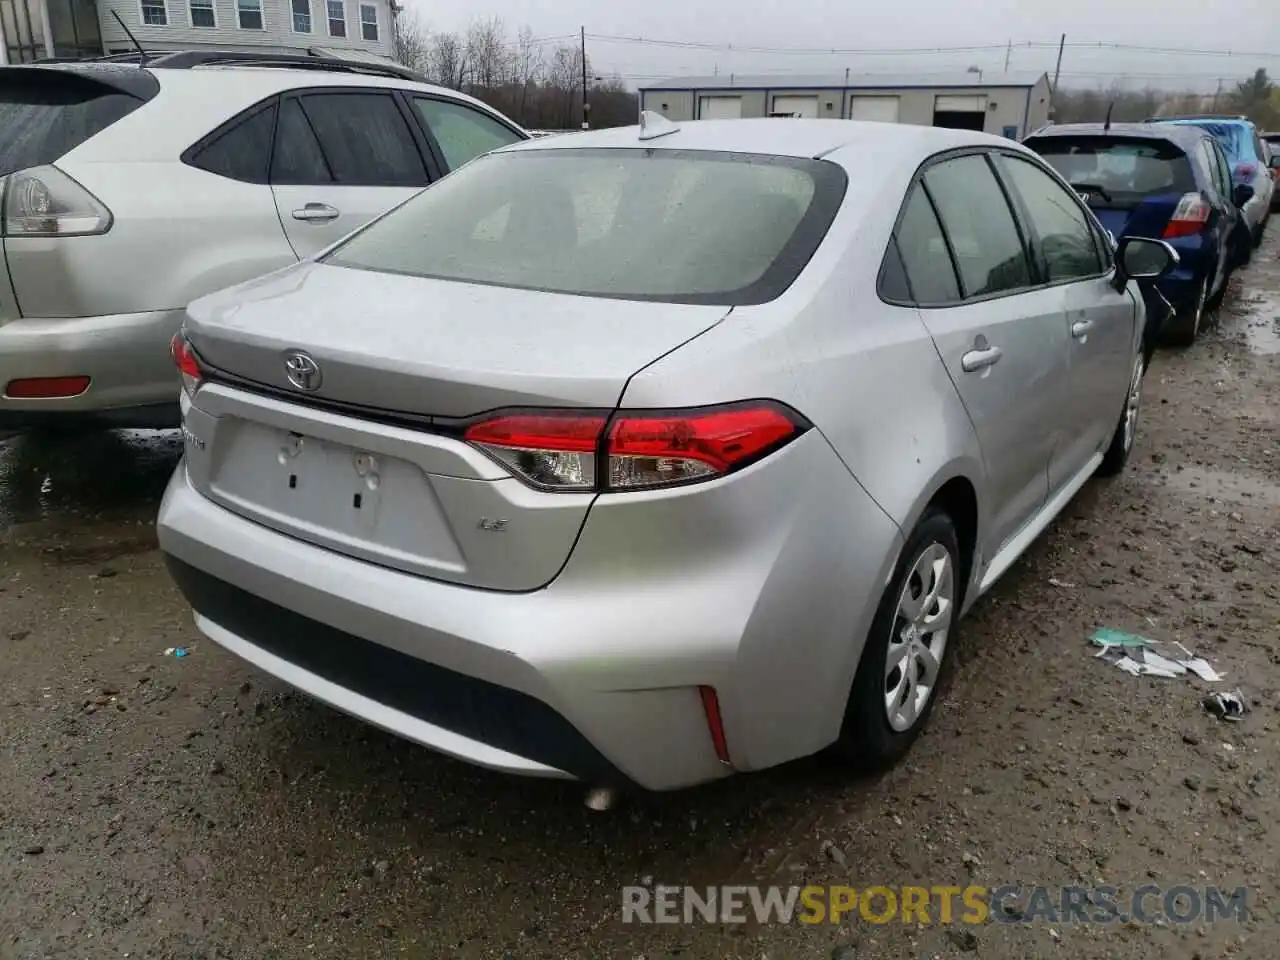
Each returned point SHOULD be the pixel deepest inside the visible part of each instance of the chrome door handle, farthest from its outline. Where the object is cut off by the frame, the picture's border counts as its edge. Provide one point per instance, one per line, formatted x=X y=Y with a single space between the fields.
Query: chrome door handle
x=316 y=213
x=976 y=360
x=1081 y=328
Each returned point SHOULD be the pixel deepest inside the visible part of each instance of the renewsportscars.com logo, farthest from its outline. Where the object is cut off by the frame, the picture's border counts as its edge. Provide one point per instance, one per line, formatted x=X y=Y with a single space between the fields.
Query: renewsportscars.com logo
x=1010 y=904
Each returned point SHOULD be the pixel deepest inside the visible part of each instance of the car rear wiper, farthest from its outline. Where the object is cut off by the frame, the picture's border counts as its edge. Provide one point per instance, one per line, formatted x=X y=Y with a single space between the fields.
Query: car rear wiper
x=1084 y=189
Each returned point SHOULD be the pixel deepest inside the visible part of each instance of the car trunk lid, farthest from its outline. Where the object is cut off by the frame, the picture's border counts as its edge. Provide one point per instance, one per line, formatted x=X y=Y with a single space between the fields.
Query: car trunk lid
x=434 y=348
x=1139 y=217
x=371 y=462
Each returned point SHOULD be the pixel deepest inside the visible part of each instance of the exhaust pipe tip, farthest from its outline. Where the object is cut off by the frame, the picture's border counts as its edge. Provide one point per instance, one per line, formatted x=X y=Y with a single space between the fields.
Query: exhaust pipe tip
x=601 y=799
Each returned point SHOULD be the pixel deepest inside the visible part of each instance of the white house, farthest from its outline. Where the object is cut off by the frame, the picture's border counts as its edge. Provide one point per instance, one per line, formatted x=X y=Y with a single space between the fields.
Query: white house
x=36 y=29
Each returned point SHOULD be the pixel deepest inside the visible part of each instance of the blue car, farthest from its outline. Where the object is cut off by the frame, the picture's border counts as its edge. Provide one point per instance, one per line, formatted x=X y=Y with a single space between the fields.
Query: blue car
x=1165 y=181
x=1247 y=156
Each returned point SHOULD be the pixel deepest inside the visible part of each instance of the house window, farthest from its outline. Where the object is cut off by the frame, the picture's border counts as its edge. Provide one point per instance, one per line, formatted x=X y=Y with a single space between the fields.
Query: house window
x=202 y=14
x=301 y=16
x=249 y=14
x=369 y=22
x=337 y=17
x=154 y=13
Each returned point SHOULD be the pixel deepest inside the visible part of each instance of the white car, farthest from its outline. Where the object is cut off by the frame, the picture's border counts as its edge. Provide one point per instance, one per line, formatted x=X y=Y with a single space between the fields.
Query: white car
x=131 y=190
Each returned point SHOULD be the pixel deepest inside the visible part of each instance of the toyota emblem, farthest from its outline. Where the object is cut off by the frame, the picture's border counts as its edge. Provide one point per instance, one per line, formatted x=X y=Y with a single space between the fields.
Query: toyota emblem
x=302 y=371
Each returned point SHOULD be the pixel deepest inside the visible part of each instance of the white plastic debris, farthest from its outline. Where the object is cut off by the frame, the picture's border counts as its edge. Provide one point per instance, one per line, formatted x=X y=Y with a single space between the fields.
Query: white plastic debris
x=1142 y=657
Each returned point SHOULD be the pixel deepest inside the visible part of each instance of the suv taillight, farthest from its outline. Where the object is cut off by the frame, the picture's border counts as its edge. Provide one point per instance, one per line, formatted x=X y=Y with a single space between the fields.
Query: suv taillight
x=1189 y=218
x=45 y=202
x=184 y=358
x=633 y=450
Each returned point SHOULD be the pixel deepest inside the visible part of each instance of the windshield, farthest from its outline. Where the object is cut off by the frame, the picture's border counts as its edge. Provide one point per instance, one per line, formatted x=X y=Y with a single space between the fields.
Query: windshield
x=678 y=226
x=1126 y=170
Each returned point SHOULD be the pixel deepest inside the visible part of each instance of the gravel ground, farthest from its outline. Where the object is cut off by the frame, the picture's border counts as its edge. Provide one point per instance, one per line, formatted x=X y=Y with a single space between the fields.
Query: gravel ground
x=152 y=806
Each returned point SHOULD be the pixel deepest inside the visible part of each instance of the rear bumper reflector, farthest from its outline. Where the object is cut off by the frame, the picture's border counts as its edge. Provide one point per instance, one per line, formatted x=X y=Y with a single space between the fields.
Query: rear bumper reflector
x=711 y=704
x=46 y=388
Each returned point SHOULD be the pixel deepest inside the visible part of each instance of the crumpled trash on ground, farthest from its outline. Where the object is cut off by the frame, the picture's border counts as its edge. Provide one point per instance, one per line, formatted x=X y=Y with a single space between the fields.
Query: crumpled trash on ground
x=1142 y=656
x=1226 y=706
x=176 y=652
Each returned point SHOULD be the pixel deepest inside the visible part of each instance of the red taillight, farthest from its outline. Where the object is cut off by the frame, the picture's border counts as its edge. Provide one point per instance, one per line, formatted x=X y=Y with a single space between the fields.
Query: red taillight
x=184 y=359
x=715 y=724
x=640 y=450
x=1189 y=218
x=46 y=388
x=647 y=450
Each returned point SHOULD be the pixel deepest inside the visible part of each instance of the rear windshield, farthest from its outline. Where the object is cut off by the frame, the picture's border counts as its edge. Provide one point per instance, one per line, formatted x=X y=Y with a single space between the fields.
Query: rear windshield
x=1125 y=170
x=46 y=113
x=670 y=225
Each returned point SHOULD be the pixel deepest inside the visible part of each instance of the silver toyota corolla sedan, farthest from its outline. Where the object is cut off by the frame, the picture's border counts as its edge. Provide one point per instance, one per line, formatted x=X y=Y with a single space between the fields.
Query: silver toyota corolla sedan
x=652 y=454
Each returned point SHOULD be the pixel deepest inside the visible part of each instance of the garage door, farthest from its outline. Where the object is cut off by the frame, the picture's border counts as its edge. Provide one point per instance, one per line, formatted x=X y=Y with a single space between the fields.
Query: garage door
x=719 y=108
x=884 y=109
x=795 y=107
x=961 y=104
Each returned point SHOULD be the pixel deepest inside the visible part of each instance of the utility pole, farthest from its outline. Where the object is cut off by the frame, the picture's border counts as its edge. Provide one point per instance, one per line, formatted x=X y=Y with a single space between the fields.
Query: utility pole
x=1057 y=71
x=1008 y=52
x=586 y=107
x=1216 y=94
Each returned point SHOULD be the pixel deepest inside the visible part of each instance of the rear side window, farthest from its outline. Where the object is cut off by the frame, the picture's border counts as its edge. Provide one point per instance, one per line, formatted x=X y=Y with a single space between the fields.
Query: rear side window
x=45 y=114
x=1115 y=171
x=925 y=257
x=681 y=226
x=243 y=152
x=984 y=237
x=366 y=140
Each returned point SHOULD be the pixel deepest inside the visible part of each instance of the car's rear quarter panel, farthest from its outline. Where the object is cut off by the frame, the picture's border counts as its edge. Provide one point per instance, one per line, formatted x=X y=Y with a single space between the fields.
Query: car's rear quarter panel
x=869 y=377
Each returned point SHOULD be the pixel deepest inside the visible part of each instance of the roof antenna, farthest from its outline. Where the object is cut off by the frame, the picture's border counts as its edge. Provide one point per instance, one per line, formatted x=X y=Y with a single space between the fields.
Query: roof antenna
x=142 y=54
x=1106 y=124
x=654 y=125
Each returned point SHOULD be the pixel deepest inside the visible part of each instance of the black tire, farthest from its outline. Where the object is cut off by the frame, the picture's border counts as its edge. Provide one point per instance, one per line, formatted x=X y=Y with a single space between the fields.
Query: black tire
x=1183 y=328
x=867 y=737
x=1215 y=299
x=1126 y=434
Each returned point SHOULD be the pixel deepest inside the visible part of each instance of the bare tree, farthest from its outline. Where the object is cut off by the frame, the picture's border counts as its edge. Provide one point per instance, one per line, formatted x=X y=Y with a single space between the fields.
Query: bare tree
x=411 y=40
x=528 y=66
x=447 y=60
x=565 y=78
x=487 y=53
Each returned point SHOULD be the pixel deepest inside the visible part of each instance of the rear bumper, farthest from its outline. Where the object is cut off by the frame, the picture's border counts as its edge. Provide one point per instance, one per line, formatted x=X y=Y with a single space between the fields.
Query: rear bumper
x=125 y=356
x=595 y=676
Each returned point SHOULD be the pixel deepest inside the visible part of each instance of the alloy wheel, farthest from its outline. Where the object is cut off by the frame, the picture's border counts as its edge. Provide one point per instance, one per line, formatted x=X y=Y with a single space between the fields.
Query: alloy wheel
x=926 y=608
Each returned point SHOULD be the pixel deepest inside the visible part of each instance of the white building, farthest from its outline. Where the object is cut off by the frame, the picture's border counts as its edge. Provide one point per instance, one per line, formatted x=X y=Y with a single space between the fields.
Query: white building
x=39 y=29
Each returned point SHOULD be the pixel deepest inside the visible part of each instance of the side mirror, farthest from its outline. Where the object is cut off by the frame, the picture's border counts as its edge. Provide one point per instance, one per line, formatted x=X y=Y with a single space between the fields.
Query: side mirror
x=1140 y=258
x=1242 y=194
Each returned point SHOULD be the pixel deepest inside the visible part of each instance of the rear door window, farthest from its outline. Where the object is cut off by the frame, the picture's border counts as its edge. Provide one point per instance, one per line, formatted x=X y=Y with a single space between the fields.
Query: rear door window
x=45 y=114
x=298 y=158
x=1116 y=172
x=988 y=246
x=366 y=139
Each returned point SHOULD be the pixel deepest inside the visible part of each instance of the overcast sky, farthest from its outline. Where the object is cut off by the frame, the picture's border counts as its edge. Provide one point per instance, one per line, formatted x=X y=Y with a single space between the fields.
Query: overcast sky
x=1247 y=26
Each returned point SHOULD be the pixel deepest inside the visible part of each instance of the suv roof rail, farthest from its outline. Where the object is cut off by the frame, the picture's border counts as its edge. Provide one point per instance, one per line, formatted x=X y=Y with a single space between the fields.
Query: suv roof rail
x=109 y=58
x=186 y=59
x=1201 y=116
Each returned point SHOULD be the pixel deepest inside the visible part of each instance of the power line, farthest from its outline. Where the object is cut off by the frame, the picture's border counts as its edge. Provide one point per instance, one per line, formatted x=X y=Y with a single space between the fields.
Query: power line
x=927 y=51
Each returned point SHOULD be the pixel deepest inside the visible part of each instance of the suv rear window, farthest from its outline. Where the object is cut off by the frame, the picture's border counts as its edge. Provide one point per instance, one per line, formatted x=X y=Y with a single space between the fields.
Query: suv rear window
x=1126 y=170
x=46 y=113
x=672 y=225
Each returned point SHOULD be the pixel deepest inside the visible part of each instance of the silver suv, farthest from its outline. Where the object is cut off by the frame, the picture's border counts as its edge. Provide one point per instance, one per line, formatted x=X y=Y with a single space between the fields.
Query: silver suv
x=131 y=190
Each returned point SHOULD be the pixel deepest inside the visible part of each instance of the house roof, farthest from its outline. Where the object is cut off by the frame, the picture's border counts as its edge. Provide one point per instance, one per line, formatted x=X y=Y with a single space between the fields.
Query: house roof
x=839 y=81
